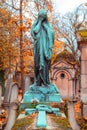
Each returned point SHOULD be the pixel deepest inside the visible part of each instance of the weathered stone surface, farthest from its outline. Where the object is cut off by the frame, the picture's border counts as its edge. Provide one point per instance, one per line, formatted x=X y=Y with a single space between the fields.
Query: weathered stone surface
x=14 y=93
x=63 y=75
x=85 y=110
x=11 y=93
x=84 y=95
x=12 y=115
x=83 y=48
x=27 y=83
x=53 y=123
x=7 y=90
x=71 y=116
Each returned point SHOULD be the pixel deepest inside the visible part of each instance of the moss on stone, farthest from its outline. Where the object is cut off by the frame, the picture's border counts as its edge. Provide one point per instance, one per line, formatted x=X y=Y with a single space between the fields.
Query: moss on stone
x=84 y=126
x=63 y=122
x=21 y=124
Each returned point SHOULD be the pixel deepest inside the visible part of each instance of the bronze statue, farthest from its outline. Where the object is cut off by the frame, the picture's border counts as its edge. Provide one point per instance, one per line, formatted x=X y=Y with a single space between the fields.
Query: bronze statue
x=43 y=36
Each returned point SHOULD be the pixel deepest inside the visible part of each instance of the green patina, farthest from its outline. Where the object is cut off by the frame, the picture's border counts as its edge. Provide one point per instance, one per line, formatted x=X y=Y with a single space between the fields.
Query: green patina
x=43 y=36
x=42 y=90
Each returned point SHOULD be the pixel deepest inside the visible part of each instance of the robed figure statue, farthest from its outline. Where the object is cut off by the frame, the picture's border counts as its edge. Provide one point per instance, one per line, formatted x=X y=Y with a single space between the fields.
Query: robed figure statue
x=42 y=90
x=43 y=36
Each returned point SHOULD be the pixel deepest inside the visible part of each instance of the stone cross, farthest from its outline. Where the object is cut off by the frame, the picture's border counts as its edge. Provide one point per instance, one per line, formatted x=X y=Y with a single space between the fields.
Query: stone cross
x=42 y=109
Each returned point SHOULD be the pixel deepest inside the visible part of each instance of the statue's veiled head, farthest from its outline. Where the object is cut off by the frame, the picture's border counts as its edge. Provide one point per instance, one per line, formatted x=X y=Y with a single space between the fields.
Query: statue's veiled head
x=42 y=14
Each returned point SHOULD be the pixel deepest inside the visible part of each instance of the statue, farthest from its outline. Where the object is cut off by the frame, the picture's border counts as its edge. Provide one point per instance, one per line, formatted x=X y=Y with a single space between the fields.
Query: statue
x=43 y=36
x=42 y=90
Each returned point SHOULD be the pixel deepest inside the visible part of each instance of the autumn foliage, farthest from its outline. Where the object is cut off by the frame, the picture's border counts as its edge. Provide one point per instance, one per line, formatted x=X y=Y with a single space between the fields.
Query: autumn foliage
x=16 y=49
x=8 y=52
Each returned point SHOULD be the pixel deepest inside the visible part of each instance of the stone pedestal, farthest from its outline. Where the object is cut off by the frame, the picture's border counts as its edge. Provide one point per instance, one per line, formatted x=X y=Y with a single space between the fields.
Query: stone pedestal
x=83 y=48
x=43 y=95
x=48 y=93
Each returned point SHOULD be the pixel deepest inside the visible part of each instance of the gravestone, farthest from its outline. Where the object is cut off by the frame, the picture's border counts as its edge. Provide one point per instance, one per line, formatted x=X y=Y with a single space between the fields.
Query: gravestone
x=7 y=89
x=8 y=82
x=11 y=93
x=12 y=115
x=71 y=116
x=27 y=82
x=14 y=93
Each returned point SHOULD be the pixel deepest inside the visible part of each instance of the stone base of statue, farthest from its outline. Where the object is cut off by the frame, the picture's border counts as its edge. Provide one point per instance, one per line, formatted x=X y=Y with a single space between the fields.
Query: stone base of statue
x=41 y=96
x=49 y=93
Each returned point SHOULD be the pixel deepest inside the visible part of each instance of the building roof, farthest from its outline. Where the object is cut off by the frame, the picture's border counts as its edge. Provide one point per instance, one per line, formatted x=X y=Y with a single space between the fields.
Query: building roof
x=67 y=56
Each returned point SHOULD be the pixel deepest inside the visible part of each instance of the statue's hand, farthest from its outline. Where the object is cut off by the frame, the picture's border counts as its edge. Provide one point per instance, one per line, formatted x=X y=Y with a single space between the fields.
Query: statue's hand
x=45 y=25
x=41 y=18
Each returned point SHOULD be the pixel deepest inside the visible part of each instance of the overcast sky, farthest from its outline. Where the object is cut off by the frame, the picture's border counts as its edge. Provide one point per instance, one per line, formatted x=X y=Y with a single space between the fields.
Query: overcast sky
x=64 y=6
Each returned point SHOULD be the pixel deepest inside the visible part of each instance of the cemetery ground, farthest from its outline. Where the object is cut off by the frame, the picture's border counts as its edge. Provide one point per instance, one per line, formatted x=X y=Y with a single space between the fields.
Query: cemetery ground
x=53 y=123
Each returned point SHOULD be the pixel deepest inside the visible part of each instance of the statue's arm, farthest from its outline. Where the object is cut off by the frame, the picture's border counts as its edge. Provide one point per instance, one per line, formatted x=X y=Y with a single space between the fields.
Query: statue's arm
x=50 y=34
x=37 y=27
x=45 y=26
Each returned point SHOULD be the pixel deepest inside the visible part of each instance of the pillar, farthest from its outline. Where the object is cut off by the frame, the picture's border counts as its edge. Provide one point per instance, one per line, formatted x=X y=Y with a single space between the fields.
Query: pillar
x=83 y=49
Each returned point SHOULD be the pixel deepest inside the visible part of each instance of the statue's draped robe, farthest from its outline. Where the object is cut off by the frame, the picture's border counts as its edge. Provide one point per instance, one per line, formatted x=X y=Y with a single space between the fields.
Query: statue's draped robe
x=43 y=41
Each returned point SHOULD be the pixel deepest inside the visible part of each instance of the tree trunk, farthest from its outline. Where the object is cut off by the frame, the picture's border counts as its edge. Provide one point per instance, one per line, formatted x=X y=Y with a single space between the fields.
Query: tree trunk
x=21 y=48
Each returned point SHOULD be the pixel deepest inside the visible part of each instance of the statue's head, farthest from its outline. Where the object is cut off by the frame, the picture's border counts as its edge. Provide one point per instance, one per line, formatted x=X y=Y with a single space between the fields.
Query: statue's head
x=42 y=14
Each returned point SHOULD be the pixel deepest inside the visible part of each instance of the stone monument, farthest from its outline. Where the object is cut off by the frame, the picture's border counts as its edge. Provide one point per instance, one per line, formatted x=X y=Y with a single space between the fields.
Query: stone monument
x=42 y=90
x=43 y=36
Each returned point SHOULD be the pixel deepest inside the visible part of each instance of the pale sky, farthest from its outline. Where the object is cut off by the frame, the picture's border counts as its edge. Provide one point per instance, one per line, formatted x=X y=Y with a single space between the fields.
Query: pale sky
x=64 y=6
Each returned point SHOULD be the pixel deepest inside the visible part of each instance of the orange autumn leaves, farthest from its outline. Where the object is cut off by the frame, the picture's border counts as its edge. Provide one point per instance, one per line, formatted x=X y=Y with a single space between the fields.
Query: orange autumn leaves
x=57 y=48
x=7 y=51
x=9 y=41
